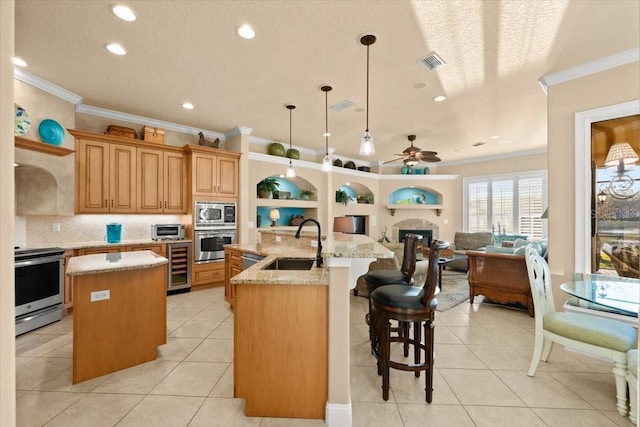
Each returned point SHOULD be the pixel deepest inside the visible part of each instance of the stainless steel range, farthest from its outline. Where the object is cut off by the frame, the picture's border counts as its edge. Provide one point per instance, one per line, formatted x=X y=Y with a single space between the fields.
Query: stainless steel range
x=39 y=279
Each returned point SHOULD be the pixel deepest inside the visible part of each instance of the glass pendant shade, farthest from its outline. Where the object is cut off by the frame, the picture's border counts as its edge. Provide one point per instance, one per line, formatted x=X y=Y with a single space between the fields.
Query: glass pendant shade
x=291 y=172
x=411 y=162
x=327 y=166
x=366 y=145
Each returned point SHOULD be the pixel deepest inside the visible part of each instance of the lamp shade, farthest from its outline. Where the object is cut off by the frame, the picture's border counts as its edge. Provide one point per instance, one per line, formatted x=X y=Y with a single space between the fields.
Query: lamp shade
x=344 y=224
x=274 y=215
x=621 y=153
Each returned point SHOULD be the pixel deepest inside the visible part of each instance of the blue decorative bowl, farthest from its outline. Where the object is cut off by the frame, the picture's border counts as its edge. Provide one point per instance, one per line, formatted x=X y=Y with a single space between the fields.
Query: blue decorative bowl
x=23 y=123
x=51 y=132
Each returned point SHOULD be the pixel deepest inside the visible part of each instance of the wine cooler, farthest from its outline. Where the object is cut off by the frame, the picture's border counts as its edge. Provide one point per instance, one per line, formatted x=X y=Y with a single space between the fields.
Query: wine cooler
x=179 y=271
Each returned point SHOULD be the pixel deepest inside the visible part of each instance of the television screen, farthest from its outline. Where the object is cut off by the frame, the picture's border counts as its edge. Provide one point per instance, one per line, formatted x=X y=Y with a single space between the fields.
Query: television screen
x=359 y=221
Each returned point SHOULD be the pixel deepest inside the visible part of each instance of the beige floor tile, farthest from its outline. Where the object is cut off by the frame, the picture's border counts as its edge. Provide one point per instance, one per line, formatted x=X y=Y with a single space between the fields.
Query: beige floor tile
x=63 y=382
x=474 y=335
x=191 y=379
x=140 y=379
x=178 y=348
x=420 y=415
x=224 y=386
x=28 y=342
x=359 y=332
x=172 y=325
x=541 y=391
x=500 y=416
x=162 y=411
x=443 y=335
x=513 y=335
x=599 y=390
x=559 y=361
x=619 y=420
x=480 y=387
x=224 y=330
x=212 y=350
x=195 y=300
x=366 y=385
x=40 y=370
x=96 y=410
x=35 y=408
x=291 y=422
x=361 y=354
x=214 y=314
x=23 y=360
x=223 y=412
x=456 y=356
x=500 y=357
x=194 y=329
x=573 y=418
x=366 y=414
x=182 y=313
x=455 y=318
x=64 y=351
x=409 y=389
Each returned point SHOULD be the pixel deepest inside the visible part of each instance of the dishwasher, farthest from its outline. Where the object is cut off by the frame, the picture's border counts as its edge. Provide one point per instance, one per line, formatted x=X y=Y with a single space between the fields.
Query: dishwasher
x=249 y=259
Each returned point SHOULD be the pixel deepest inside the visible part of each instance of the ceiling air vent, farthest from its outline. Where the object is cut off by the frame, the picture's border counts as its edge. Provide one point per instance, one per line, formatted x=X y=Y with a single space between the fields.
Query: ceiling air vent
x=432 y=61
x=478 y=144
x=342 y=105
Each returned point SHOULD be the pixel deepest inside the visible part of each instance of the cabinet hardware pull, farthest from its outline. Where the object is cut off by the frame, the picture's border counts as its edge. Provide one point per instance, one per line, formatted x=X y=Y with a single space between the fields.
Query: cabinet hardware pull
x=111 y=202
x=165 y=204
x=106 y=203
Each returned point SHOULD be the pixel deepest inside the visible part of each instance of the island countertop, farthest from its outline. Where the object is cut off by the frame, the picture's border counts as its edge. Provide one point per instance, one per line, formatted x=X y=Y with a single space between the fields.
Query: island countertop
x=119 y=261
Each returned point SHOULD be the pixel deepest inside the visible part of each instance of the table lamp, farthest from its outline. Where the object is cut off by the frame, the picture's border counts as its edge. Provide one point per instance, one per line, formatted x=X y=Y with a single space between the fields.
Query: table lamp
x=344 y=224
x=274 y=216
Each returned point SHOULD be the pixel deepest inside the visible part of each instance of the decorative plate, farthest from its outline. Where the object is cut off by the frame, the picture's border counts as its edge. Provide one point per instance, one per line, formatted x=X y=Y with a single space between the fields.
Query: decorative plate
x=51 y=132
x=419 y=198
x=23 y=123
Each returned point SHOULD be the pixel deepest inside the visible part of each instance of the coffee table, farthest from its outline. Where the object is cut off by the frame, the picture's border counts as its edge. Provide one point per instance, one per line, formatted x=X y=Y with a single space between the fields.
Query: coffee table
x=443 y=261
x=622 y=296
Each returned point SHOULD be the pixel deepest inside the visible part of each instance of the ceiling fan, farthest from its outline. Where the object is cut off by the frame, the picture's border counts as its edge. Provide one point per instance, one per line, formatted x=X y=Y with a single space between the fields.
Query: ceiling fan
x=413 y=155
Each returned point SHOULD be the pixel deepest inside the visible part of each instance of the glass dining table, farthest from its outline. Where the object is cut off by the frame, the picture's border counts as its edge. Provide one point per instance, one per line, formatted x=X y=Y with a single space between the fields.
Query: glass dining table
x=618 y=295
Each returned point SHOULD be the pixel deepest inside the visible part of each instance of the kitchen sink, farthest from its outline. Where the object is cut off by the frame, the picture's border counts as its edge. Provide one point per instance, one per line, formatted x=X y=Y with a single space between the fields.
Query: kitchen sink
x=290 y=264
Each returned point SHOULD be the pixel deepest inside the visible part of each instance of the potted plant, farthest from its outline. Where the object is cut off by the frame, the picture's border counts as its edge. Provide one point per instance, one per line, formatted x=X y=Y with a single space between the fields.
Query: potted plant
x=367 y=198
x=305 y=195
x=267 y=187
x=343 y=197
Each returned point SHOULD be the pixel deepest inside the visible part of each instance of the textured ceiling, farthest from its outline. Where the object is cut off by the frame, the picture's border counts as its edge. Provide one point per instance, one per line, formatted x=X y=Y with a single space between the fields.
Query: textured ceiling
x=188 y=51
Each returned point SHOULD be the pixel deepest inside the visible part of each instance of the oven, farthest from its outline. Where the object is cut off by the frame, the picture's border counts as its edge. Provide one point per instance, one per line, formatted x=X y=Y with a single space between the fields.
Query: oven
x=39 y=280
x=209 y=244
x=214 y=214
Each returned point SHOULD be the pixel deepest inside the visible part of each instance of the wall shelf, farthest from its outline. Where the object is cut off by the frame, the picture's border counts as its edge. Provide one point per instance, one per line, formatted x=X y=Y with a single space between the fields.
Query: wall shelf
x=287 y=203
x=437 y=208
x=41 y=147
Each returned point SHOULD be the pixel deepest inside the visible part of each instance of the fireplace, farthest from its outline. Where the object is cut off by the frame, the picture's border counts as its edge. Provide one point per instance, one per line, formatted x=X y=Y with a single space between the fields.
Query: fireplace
x=427 y=236
x=427 y=229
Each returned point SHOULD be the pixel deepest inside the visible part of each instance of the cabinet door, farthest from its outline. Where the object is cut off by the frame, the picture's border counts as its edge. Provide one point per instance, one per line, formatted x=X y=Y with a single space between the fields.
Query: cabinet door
x=122 y=183
x=227 y=177
x=150 y=194
x=175 y=183
x=203 y=174
x=67 y=298
x=92 y=174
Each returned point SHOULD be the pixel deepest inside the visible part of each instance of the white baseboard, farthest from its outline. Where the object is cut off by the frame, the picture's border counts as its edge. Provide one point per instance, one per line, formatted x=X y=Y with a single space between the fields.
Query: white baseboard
x=338 y=415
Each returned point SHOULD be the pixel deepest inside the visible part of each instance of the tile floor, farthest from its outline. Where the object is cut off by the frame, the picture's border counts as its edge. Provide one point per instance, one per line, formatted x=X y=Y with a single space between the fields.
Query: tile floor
x=482 y=355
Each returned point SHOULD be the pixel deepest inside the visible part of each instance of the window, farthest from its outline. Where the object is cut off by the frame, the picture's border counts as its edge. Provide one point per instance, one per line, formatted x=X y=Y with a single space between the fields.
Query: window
x=510 y=203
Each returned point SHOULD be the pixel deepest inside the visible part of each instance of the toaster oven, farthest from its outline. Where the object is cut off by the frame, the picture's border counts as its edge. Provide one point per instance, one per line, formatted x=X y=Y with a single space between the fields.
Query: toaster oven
x=167 y=231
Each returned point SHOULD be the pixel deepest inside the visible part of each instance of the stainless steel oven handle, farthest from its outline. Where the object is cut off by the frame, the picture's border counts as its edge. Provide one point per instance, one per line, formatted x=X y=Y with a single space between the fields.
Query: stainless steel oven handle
x=36 y=261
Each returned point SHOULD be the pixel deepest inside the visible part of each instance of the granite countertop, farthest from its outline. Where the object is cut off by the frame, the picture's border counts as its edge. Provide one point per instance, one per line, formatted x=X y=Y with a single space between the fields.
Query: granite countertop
x=337 y=246
x=107 y=263
x=104 y=244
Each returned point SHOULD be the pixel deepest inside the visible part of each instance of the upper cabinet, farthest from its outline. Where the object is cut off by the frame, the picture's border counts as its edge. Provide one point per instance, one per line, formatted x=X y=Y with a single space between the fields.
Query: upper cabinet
x=214 y=173
x=162 y=181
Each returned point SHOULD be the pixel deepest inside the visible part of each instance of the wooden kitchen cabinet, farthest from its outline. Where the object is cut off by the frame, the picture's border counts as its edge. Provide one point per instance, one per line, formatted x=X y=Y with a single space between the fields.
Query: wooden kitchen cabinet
x=105 y=177
x=67 y=291
x=101 y=250
x=233 y=266
x=160 y=248
x=214 y=173
x=162 y=181
x=211 y=273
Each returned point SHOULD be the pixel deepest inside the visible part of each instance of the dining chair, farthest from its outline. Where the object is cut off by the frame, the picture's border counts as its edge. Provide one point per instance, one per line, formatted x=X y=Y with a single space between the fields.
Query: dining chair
x=632 y=380
x=598 y=336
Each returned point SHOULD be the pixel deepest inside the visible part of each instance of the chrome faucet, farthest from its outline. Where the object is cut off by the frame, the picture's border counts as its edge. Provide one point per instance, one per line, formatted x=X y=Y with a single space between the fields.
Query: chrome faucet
x=319 y=254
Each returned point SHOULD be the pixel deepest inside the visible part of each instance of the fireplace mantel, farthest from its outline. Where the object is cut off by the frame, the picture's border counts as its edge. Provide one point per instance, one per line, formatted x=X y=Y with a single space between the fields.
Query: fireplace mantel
x=437 y=208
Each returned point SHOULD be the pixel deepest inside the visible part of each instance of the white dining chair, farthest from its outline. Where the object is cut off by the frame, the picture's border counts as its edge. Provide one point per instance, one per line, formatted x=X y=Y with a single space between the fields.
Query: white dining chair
x=602 y=337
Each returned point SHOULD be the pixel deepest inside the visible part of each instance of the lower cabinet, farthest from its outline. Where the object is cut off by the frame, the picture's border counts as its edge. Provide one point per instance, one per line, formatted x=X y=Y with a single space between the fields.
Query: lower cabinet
x=67 y=291
x=233 y=266
x=211 y=273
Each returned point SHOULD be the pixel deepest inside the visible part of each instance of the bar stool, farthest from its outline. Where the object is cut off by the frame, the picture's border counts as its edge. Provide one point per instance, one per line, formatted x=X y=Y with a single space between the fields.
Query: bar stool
x=407 y=305
x=376 y=278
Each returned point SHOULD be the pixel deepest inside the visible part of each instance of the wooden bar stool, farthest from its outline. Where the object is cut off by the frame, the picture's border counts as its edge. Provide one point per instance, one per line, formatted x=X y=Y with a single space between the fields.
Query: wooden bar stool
x=377 y=278
x=407 y=305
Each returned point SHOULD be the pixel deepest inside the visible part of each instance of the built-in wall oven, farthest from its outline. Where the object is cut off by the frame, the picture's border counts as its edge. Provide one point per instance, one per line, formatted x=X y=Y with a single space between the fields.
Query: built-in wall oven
x=214 y=227
x=39 y=279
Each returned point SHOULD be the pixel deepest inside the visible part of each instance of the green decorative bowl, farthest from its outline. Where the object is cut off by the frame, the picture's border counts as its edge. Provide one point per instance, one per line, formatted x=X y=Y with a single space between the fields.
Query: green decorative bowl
x=276 y=149
x=294 y=154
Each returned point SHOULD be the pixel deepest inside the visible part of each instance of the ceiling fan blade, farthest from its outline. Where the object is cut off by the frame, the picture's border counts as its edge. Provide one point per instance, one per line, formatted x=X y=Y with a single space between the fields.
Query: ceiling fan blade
x=431 y=159
x=425 y=153
x=394 y=160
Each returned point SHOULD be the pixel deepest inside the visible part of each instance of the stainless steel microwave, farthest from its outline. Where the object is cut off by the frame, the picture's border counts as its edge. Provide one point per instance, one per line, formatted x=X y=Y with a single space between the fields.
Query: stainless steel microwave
x=167 y=231
x=214 y=215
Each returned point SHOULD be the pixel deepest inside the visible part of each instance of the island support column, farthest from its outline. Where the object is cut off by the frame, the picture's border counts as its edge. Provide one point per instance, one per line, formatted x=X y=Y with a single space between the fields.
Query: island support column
x=343 y=273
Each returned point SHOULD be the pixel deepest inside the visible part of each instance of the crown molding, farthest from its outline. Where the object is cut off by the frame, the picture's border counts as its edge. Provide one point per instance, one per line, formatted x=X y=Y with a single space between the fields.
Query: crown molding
x=35 y=81
x=268 y=158
x=265 y=142
x=525 y=153
x=238 y=130
x=593 y=67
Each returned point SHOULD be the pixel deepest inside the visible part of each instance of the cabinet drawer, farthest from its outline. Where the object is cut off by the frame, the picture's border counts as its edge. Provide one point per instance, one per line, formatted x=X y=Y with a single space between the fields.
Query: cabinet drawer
x=159 y=249
x=209 y=273
x=102 y=250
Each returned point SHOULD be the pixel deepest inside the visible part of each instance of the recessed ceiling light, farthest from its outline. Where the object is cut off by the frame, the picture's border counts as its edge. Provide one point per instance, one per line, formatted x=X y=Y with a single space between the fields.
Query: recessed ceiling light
x=439 y=98
x=123 y=12
x=246 y=32
x=421 y=85
x=187 y=106
x=19 y=62
x=116 y=49
x=495 y=136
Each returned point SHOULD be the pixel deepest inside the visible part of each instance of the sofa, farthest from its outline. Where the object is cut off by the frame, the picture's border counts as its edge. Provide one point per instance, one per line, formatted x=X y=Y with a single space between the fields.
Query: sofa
x=394 y=263
x=462 y=242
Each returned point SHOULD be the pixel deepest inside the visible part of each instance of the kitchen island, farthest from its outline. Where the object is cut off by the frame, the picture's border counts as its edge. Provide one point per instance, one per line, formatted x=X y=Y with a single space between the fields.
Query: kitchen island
x=120 y=311
x=291 y=331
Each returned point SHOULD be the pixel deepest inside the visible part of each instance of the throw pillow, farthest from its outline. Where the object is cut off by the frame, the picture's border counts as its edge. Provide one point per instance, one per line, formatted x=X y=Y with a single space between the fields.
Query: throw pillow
x=522 y=249
x=499 y=249
x=518 y=243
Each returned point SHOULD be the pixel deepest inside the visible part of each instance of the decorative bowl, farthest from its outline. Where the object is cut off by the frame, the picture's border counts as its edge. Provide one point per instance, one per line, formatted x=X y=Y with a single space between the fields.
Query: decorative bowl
x=349 y=165
x=51 y=132
x=292 y=153
x=276 y=149
x=23 y=123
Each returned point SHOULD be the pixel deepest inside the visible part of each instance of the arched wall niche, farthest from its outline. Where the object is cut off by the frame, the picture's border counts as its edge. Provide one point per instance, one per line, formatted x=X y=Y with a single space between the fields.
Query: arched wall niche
x=293 y=188
x=36 y=191
x=417 y=195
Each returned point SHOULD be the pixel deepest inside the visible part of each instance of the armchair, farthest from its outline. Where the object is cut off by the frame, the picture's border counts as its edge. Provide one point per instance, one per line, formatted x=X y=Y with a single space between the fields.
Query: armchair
x=462 y=242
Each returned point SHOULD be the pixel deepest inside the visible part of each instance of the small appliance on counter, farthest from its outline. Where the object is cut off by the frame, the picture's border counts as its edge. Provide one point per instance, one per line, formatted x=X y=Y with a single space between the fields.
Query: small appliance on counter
x=114 y=232
x=167 y=231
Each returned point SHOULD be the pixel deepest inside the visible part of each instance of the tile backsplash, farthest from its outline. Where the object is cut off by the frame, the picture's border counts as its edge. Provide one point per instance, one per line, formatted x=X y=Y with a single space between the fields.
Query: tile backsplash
x=38 y=230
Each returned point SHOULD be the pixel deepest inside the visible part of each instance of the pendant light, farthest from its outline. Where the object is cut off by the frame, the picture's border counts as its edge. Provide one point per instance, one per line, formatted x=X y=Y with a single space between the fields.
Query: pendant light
x=366 y=143
x=291 y=173
x=327 y=166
